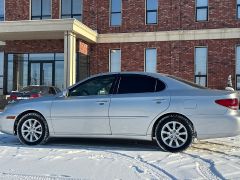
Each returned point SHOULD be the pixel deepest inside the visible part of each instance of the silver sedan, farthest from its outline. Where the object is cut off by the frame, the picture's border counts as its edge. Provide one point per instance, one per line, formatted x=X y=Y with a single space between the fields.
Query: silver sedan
x=142 y=106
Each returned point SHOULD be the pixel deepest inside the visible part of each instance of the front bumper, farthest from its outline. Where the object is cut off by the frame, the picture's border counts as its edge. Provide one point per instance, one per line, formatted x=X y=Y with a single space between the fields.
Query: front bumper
x=6 y=125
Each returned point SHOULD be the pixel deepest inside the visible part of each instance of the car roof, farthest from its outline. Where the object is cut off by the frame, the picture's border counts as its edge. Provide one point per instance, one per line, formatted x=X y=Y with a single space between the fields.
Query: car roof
x=170 y=82
x=132 y=72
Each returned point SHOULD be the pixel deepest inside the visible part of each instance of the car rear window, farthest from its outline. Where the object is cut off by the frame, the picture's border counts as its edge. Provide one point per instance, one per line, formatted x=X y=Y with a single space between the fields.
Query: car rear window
x=187 y=82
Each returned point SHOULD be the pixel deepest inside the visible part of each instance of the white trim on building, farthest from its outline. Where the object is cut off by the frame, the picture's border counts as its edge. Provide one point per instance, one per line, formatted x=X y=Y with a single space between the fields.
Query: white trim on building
x=45 y=29
x=179 y=35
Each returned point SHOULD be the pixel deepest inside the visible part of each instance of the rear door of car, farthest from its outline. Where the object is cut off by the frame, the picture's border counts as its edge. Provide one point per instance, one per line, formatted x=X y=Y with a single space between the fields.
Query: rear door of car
x=136 y=102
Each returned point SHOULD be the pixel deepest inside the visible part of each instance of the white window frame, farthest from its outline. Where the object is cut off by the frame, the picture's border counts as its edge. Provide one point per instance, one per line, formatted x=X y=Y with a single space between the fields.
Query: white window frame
x=206 y=75
x=4 y=11
x=146 y=11
x=196 y=8
x=30 y=9
x=60 y=10
x=237 y=5
x=236 y=74
x=145 y=59
x=110 y=14
x=110 y=59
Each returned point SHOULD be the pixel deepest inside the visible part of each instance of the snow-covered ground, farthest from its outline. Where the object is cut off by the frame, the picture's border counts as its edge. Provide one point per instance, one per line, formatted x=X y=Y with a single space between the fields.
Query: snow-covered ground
x=117 y=159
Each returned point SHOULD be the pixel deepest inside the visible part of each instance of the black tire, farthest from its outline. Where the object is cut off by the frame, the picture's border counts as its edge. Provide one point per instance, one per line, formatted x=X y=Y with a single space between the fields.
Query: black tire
x=43 y=127
x=164 y=140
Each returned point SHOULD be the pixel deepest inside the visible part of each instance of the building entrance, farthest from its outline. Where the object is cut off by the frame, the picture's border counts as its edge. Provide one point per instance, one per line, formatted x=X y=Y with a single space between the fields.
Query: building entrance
x=41 y=73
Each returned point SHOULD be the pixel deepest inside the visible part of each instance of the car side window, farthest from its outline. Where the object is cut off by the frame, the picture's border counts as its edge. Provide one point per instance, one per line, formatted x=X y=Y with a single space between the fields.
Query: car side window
x=160 y=86
x=97 y=86
x=136 y=84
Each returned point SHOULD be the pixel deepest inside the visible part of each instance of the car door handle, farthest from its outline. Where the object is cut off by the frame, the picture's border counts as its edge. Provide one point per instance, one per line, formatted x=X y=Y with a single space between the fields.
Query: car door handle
x=102 y=102
x=159 y=100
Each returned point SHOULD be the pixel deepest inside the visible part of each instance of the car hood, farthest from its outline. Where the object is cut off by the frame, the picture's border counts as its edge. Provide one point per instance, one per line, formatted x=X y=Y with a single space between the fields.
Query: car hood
x=35 y=100
x=30 y=103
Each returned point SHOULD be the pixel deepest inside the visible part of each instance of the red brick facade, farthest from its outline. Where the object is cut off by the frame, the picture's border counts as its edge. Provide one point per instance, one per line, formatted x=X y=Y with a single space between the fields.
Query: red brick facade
x=34 y=46
x=17 y=10
x=175 y=57
x=172 y=15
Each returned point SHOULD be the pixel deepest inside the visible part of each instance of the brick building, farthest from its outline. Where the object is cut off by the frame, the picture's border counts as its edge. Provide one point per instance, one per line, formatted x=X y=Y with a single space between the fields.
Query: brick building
x=59 y=42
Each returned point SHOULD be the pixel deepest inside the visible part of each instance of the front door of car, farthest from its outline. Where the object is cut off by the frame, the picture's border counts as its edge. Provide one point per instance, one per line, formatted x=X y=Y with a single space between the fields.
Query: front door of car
x=85 y=110
x=137 y=102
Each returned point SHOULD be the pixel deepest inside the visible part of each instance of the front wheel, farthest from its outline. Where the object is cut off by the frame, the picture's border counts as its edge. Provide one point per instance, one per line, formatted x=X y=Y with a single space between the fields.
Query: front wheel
x=32 y=129
x=174 y=133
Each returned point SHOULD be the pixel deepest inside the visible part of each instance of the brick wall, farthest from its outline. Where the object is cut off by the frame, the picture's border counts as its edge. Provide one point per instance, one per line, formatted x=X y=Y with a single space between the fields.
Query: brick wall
x=90 y=12
x=56 y=9
x=34 y=46
x=17 y=10
x=172 y=15
x=176 y=58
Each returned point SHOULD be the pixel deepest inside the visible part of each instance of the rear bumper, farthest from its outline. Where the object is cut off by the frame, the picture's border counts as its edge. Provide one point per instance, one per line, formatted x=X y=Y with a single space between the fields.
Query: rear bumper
x=218 y=126
x=6 y=125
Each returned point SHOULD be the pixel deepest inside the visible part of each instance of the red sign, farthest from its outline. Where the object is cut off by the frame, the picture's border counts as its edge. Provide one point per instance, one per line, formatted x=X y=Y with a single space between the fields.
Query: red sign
x=83 y=48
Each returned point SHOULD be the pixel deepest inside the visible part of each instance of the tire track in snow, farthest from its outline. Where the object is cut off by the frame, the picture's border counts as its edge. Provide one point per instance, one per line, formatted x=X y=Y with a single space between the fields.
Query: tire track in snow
x=153 y=169
x=206 y=167
x=220 y=144
x=216 y=147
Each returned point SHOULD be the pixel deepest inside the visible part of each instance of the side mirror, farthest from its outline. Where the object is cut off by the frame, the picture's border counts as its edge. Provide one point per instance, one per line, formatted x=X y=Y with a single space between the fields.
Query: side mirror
x=65 y=93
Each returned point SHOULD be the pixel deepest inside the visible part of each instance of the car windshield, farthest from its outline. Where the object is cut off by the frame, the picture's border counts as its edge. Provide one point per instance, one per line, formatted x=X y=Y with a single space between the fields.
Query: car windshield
x=187 y=82
x=35 y=89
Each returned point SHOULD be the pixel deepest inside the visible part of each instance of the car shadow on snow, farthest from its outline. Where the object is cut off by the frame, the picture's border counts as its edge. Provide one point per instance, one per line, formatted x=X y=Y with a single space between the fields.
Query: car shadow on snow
x=85 y=143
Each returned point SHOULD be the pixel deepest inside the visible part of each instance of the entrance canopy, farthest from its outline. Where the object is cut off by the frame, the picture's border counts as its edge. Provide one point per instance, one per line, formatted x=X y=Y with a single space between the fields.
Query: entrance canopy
x=45 y=29
x=67 y=29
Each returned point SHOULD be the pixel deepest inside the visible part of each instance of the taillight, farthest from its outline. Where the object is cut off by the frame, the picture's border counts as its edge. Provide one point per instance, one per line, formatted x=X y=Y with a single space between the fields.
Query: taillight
x=229 y=103
x=13 y=97
x=34 y=96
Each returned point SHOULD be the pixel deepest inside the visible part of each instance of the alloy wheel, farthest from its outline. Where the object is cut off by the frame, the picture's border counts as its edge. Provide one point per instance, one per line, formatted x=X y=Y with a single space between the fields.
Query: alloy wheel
x=31 y=130
x=174 y=134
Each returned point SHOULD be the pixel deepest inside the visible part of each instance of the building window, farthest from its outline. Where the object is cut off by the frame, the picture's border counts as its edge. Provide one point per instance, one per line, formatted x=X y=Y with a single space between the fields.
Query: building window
x=151 y=60
x=72 y=9
x=151 y=11
x=41 y=9
x=1 y=10
x=34 y=69
x=238 y=9
x=115 y=60
x=116 y=12
x=238 y=68
x=1 y=72
x=201 y=54
x=201 y=10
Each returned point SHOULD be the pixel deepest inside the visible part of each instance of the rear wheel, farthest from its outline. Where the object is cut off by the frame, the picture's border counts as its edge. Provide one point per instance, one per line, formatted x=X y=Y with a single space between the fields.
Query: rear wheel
x=174 y=133
x=32 y=129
